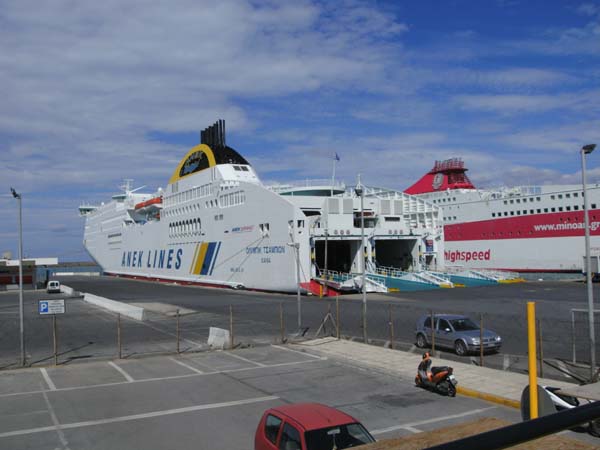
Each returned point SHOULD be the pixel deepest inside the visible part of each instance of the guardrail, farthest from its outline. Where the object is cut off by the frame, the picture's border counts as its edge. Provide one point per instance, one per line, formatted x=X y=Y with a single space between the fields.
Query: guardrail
x=526 y=431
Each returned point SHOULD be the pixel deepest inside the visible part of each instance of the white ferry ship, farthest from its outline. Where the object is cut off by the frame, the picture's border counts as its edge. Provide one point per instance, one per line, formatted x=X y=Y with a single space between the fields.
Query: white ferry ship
x=215 y=223
x=521 y=229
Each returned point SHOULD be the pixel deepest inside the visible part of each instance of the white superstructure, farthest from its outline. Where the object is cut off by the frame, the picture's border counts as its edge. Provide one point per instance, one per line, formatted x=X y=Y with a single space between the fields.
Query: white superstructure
x=523 y=229
x=215 y=223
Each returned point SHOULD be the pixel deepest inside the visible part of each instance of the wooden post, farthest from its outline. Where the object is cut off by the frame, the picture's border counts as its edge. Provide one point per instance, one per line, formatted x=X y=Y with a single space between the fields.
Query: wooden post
x=432 y=333
x=391 y=329
x=481 y=340
x=178 y=331
x=55 y=339
x=573 y=336
x=337 y=316
x=281 y=325
x=119 y=335
x=231 y=327
x=540 y=348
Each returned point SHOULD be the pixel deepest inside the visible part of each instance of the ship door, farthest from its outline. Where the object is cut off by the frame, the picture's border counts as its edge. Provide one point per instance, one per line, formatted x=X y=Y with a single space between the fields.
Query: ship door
x=397 y=253
x=339 y=255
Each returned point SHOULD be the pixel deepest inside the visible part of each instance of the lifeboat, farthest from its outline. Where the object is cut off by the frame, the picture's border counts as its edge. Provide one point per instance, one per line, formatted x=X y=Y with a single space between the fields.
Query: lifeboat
x=156 y=202
x=150 y=207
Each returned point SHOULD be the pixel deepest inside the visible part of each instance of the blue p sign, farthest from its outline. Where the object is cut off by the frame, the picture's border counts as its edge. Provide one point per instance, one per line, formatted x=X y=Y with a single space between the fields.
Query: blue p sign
x=43 y=307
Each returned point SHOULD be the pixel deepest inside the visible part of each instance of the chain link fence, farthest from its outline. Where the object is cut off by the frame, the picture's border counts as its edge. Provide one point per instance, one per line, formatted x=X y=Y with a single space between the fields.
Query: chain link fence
x=87 y=331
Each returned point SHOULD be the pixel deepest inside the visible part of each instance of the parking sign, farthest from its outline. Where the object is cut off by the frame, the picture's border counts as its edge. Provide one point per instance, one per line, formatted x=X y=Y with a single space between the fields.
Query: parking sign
x=51 y=307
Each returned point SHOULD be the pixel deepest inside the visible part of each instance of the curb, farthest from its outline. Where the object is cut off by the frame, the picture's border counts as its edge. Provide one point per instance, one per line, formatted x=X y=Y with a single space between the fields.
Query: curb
x=488 y=397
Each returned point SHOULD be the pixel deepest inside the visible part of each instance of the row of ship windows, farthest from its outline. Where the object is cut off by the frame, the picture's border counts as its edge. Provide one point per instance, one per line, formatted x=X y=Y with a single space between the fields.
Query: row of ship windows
x=539 y=199
x=440 y=200
x=539 y=211
x=190 y=194
x=225 y=201
x=519 y=200
x=185 y=228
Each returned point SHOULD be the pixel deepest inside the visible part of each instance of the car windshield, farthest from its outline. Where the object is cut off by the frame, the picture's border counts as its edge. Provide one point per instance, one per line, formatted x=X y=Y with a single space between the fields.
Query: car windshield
x=465 y=324
x=339 y=437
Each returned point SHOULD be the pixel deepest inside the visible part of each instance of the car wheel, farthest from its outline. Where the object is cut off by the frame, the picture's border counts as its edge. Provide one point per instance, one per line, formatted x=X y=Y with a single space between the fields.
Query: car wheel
x=421 y=341
x=460 y=348
x=594 y=427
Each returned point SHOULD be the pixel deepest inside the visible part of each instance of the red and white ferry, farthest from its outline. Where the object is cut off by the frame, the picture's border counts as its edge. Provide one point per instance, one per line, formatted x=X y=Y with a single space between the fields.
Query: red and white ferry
x=521 y=229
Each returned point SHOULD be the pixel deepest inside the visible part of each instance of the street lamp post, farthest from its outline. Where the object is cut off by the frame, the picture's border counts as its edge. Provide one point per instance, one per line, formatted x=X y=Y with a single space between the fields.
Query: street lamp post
x=586 y=150
x=360 y=191
x=21 y=328
x=296 y=246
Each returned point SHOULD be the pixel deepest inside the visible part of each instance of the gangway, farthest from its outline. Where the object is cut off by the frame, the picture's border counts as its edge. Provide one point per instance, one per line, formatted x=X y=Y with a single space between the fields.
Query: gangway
x=481 y=277
x=396 y=279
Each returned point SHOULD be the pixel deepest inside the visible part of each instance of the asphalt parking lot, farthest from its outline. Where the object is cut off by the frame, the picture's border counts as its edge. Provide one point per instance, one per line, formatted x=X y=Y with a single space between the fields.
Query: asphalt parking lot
x=209 y=400
x=87 y=331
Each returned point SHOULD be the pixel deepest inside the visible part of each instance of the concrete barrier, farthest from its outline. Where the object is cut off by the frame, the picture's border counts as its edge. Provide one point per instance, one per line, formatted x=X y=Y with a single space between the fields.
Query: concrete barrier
x=66 y=289
x=134 y=312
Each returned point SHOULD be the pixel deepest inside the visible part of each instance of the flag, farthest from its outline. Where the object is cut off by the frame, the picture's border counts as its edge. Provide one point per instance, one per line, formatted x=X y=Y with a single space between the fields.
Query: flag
x=337 y=158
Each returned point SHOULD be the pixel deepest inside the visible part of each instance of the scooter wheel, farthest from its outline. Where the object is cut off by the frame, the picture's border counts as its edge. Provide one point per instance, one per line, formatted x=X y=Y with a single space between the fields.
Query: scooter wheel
x=451 y=390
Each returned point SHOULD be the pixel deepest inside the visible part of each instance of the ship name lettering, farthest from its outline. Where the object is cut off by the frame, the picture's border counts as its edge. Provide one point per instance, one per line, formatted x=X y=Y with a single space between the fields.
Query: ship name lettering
x=274 y=249
x=170 y=258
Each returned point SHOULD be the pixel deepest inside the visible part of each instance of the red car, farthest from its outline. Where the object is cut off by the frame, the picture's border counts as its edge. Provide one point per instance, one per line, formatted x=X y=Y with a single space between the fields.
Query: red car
x=308 y=426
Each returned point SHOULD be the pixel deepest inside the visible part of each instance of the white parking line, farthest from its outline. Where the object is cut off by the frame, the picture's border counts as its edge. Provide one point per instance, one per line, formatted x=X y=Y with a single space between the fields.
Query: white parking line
x=244 y=359
x=146 y=380
x=166 y=412
x=128 y=377
x=408 y=426
x=59 y=432
x=48 y=379
x=298 y=351
x=187 y=366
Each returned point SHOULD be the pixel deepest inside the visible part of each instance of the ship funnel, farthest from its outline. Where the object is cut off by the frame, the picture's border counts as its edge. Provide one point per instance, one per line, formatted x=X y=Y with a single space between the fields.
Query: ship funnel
x=214 y=136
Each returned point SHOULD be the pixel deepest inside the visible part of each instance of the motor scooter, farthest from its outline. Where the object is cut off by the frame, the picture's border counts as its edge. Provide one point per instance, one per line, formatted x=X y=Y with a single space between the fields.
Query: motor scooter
x=437 y=379
x=563 y=401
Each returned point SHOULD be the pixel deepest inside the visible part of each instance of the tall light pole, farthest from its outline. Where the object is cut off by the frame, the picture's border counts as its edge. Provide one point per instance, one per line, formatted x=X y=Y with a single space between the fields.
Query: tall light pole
x=586 y=150
x=360 y=191
x=22 y=334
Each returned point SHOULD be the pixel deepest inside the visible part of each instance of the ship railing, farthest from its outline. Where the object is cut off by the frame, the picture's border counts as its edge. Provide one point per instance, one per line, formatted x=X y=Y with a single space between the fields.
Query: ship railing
x=307 y=183
x=334 y=275
x=389 y=271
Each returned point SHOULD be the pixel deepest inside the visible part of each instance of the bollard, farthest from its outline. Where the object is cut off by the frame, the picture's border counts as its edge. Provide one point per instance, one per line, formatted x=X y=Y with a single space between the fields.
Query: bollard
x=541 y=350
x=432 y=333
x=533 y=400
x=391 y=329
x=119 y=334
x=281 y=324
x=231 y=327
x=55 y=339
x=178 y=331
x=481 y=340
x=337 y=316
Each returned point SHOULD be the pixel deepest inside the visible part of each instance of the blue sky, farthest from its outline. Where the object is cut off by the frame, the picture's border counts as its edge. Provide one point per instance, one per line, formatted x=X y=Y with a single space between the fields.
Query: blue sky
x=95 y=92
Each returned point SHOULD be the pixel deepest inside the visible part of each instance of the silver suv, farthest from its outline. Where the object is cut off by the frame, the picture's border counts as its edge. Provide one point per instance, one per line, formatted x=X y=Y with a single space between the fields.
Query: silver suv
x=457 y=332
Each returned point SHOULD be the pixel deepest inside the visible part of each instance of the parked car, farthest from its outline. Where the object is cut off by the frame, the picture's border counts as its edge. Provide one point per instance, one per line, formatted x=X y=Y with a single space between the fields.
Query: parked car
x=308 y=426
x=53 y=287
x=456 y=332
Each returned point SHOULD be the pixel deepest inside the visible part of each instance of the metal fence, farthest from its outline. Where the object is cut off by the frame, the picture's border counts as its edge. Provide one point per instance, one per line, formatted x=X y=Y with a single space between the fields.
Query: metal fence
x=88 y=332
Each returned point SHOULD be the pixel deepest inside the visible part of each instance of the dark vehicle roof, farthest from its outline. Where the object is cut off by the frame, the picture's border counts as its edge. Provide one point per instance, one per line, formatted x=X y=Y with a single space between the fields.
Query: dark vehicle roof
x=313 y=416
